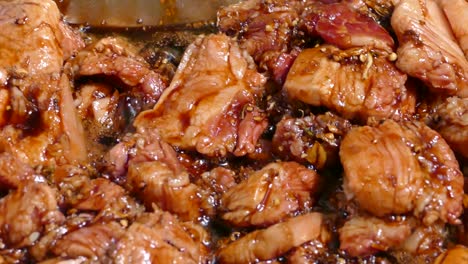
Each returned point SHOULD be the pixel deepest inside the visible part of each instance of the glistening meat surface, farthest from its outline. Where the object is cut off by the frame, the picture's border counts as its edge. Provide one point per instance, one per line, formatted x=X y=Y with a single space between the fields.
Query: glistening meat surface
x=268 y=196
x=399 y=168
x=210 y=104
x=354 y=89
x=428 y=50
x=290 y=132
x=37 y=105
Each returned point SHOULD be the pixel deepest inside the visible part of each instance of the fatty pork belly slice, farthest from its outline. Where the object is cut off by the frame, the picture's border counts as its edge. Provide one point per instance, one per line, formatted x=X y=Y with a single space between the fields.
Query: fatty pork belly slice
x=270 y=195
x=276 y=240
x=266 y=29
x=354 y=89
x=427 y=48
x=25 y=214
x=343 y=25
x=160 y=237
x=210 y=104
x=38 y=120
x=402 y=168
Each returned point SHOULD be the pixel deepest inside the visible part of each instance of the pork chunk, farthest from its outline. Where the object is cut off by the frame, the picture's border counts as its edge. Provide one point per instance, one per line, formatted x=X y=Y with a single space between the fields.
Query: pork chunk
x=355 y=90
x=41 y=124
x=270 y=195
x=25 y=213
x=210 y=104
x=399 y=168
x=429 y=50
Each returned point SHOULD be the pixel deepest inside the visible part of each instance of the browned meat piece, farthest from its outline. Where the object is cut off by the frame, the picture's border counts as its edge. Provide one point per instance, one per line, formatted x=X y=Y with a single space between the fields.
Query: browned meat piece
x=311 y=139
x=155 y=175
x=141 y=147
x=71 y=42
x=13 y=171
x=116 y=57
x=40 y=123
x=91 y=242
x=155 y=183
x=26 y=212
x=363 y=236
x=428 y=50
x=210 y=104
x=109 y=105
x=43 y=247
x=314 y=250
x=31 y=37
x=219 y=179
x=355 y=90
x=98 y=195
x=452 y=123
x=101 y=198
x=276 y=240
x=265 y=30
x=426 y=240
x=213 y=184
x=397 y=168
x=160 y=238
x=456 y=12
x=382 y=9
x=457 y=254
x=341 y=25
x=270 y=195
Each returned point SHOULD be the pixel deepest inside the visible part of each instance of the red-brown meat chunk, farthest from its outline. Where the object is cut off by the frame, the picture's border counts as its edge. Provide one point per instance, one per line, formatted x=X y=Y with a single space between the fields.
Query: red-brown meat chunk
x=148 y=167
x=402 y=168
x=210 y=104
x=270 y=195
x=457 y=254
x=161 y=238
x=362 y=236
x=341 y=25
x=26 y=212
x=266 y=30
x=428 y=50
x=116 y=57
x=456 y=12
x=276 y=240
x=311 y=139
x=355 y=90
x=92 y=241
x=155 y=183
x=451 y=121
x=39 y=125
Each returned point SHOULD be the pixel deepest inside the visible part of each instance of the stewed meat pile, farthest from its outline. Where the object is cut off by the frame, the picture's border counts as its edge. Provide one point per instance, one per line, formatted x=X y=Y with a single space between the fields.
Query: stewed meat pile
x=312 y=131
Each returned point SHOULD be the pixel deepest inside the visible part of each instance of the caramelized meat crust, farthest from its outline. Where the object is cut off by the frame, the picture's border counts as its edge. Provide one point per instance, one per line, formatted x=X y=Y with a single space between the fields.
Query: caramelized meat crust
x=354 y=89
x=399 y=168
x=303 y=131
x=210 y=104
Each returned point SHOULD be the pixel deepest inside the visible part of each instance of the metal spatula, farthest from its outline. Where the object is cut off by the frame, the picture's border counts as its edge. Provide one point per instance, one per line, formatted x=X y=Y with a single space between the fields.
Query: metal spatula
x=137 y=13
